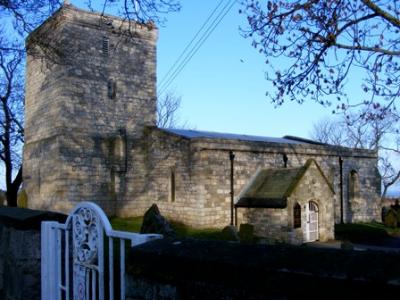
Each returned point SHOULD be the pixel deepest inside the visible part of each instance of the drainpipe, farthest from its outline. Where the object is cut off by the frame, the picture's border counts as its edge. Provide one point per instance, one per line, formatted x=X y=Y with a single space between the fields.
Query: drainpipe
x=231 y=158
x=235 y=216
x=341 y=188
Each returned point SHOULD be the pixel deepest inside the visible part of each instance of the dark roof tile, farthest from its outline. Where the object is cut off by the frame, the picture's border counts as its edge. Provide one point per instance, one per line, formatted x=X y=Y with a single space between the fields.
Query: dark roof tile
x=270 y=188
x=192 y=134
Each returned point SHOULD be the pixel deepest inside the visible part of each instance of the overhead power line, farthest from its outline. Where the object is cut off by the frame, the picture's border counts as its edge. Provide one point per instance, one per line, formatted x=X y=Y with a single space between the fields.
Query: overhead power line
x=211 y=27
x=186 y=55
x=190 y=43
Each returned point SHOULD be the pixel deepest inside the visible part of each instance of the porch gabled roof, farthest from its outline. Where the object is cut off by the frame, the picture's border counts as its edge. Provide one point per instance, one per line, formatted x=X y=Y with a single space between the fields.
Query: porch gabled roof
x=270 y=188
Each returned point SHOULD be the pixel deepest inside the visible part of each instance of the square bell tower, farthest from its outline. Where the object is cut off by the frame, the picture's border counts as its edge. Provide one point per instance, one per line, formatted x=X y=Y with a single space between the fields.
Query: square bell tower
x=90 y=92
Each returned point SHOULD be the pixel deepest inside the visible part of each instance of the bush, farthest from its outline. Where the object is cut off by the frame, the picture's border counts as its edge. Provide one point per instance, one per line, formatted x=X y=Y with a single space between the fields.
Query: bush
x=361 y=232
x=246 y=233
x=22 y=199
x=398 y=218
x=230 y=233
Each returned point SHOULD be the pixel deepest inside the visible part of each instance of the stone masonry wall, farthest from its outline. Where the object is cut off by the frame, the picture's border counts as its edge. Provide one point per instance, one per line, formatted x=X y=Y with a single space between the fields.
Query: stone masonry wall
x=202 y=172
x=365 y=205
x=149 y=178
x=20 y=257
x=276 y=224
x=19 y=264
x=215 y=173
x=313 y=188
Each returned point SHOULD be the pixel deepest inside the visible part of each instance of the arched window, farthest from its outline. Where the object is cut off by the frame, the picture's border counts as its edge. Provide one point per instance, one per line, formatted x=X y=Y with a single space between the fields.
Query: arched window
x=172 y=185
x=297 y=216
x=119 y=151
x=112 y=89
x=354 y=186
x=313 y=206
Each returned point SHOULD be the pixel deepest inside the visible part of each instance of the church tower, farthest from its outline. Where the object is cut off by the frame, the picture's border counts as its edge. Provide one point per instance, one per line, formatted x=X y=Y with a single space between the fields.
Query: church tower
x=90 y=92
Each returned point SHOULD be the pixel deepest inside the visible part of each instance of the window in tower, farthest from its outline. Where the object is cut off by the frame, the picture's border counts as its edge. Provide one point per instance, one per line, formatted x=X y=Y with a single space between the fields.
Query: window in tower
x=112 y=89
x=106 y=46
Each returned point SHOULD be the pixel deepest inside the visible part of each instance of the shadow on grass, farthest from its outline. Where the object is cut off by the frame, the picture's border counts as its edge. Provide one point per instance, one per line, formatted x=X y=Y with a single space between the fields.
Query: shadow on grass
x=183 y=230
x=133 y=224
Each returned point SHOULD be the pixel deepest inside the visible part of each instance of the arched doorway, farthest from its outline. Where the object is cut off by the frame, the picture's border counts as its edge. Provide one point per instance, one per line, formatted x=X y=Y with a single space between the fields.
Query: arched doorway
x=312 y=225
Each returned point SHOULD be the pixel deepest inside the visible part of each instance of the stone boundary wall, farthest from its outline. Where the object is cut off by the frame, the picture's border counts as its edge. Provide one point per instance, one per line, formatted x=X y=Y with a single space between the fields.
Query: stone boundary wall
x=194 y=269
x=198 y=269
x=20 y=252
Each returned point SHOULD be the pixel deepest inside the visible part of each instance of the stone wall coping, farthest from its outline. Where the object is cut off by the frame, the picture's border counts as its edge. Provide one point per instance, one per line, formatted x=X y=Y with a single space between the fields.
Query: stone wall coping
x=247 y=146
x=27 y=219
x=203 y=144
x=263 y=266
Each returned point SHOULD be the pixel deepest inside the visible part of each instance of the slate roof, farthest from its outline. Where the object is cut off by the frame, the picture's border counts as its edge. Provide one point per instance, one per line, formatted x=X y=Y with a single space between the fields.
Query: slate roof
x=271 y=187
x=192 y=134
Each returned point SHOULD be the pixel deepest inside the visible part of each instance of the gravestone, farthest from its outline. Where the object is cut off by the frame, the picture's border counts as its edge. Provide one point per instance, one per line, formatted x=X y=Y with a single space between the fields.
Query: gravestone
x=154 y=222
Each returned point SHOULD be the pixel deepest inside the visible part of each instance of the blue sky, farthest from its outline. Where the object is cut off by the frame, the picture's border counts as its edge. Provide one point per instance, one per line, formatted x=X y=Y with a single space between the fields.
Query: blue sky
x=223 y=86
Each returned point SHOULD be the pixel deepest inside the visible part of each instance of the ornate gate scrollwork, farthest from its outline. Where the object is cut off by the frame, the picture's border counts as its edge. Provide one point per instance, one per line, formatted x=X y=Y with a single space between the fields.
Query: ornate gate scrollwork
x=80 y=245
x=86 y=230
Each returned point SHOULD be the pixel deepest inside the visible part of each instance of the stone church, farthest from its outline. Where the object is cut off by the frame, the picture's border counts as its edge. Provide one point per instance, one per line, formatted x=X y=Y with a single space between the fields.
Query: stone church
x=91 y=135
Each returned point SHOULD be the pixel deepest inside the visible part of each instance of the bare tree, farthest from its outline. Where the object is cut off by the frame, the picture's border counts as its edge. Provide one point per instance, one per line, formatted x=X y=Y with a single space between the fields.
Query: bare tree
x=329 y=131
x=140 y=11
x=167 y=109
x=11 y=120
x=26 y=15
x=313 y=47
x=167 y=112
x=18 y=19
x=381 y=135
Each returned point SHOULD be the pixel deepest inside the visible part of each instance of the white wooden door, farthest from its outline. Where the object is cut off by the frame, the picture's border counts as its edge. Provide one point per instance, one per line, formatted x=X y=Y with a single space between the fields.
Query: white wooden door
x=312 y=226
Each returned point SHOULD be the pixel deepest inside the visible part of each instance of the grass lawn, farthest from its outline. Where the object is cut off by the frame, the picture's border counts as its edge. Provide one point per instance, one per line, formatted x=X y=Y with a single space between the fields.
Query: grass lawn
x=371 y=233
x=133 y=224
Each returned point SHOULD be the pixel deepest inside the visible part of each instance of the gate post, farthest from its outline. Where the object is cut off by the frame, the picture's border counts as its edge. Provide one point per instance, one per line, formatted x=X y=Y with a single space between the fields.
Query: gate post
x=49 y=258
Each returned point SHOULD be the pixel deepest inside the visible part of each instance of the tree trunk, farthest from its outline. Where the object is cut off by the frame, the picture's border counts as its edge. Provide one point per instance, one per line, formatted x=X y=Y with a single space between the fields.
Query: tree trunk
x=12 y=197
x=12 y=189
x=389 y=184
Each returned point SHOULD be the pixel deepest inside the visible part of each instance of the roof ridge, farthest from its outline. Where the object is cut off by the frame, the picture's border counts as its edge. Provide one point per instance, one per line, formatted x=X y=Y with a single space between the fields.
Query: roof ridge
x=192 y=134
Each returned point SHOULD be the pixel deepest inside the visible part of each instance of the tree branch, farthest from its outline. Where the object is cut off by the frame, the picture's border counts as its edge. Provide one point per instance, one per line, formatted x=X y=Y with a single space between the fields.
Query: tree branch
x=357 y=21
x=369 y=49
x=383 y=14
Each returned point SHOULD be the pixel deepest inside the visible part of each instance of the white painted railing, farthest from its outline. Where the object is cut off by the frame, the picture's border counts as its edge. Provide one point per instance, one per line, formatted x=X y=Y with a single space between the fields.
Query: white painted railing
x=83 y=245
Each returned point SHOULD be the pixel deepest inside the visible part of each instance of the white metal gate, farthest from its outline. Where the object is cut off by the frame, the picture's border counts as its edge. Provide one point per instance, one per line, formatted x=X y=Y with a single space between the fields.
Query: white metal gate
x=74 y=256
